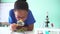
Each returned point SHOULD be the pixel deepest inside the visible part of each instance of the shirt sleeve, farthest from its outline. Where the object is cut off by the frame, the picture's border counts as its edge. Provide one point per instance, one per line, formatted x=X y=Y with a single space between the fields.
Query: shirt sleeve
x=30 y=18
x=12 y=18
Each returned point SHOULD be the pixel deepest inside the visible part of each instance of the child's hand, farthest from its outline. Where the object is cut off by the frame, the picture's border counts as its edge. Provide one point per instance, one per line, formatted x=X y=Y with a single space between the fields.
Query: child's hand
x=13 y=26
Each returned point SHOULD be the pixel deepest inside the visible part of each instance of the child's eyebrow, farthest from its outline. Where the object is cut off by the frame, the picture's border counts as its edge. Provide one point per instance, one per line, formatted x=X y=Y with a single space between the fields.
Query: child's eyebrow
x=20 y=17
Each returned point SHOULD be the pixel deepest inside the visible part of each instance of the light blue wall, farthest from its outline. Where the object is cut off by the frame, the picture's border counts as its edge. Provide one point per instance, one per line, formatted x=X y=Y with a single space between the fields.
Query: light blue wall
x=39 y=9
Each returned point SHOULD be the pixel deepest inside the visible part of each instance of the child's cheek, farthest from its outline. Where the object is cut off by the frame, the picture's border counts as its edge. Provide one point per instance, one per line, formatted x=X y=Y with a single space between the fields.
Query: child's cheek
x=24 y=19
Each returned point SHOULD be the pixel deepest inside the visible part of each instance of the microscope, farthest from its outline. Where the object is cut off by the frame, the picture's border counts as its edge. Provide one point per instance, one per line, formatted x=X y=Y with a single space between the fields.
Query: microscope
x=47 y=21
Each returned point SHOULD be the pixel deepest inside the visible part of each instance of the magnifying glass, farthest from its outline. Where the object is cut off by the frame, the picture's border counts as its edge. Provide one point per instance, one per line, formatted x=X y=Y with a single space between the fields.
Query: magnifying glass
x=20 y=22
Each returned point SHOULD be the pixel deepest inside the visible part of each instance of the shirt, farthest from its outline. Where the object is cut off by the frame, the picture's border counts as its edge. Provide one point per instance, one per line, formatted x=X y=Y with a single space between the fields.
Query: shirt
x=30 y=19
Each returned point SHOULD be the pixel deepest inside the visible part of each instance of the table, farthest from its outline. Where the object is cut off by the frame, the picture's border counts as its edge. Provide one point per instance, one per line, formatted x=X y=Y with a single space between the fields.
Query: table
x=6 y=30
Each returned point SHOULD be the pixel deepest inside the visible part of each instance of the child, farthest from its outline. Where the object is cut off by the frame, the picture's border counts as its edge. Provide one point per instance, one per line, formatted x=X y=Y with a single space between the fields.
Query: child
x=21 y=11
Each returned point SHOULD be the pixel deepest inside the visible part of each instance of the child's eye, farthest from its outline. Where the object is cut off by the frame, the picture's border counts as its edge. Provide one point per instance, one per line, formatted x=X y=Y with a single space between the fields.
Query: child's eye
x=22 y=17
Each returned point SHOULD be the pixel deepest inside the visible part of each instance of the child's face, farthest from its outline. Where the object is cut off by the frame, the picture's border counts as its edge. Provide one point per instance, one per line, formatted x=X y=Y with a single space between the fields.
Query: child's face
x=21 y=14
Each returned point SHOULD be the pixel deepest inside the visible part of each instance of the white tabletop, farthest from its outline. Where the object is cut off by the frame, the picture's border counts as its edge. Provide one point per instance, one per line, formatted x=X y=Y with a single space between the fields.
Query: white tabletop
x=6 y=30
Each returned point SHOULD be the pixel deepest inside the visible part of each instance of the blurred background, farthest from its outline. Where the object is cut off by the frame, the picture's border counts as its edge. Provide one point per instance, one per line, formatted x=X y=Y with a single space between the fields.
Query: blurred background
x=39 y=9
